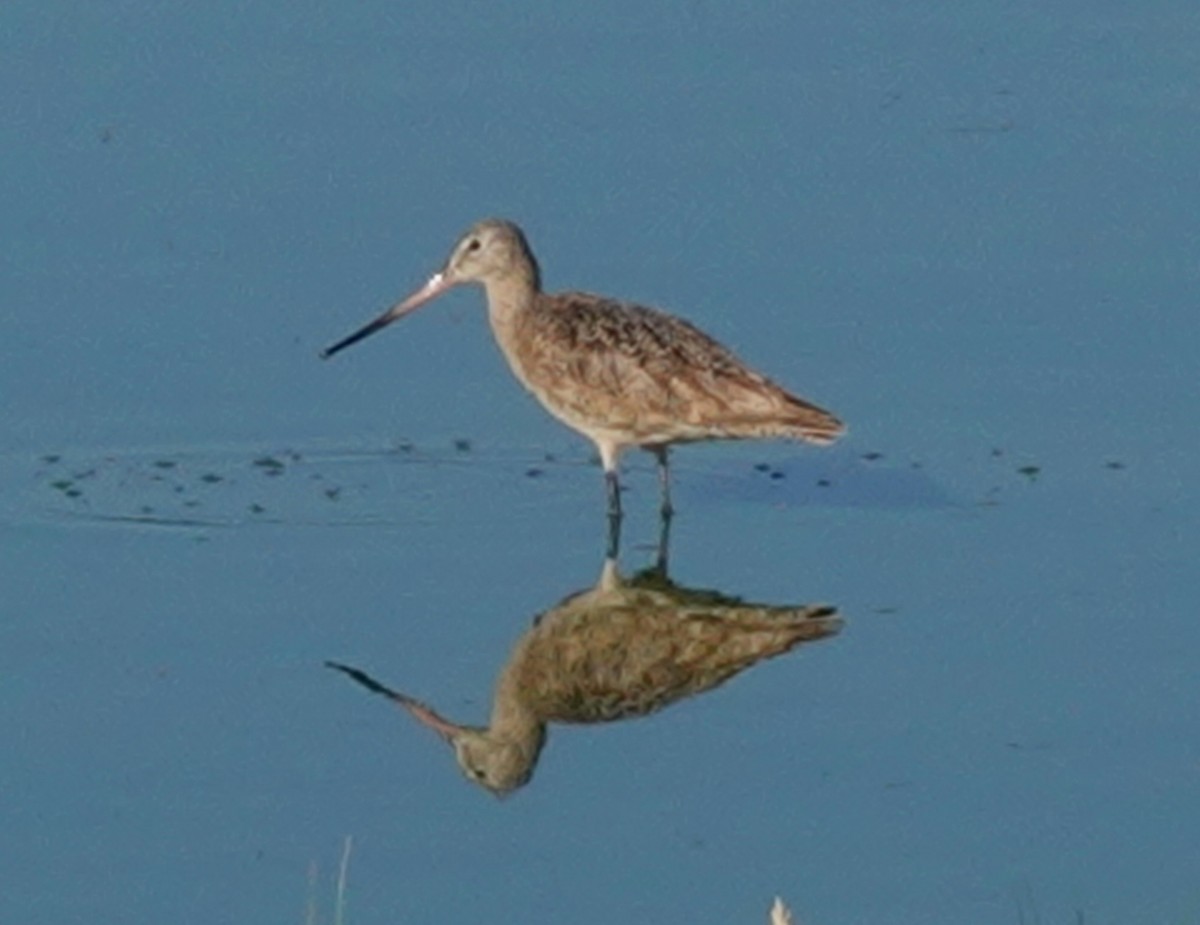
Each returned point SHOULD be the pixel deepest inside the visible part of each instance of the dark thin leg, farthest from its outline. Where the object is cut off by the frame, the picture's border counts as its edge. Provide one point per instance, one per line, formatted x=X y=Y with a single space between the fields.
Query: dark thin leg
x=664 y=481
x=664 y=543
x=613 y=551
x=614 y=493
x=614 y=512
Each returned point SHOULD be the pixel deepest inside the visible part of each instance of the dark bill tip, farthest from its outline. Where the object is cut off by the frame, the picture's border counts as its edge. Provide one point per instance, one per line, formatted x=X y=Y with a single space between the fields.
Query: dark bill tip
x=363 y=332
x=437 y=284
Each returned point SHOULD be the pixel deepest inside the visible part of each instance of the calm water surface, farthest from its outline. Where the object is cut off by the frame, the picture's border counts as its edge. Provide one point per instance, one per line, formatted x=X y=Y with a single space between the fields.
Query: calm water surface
x=971 y=234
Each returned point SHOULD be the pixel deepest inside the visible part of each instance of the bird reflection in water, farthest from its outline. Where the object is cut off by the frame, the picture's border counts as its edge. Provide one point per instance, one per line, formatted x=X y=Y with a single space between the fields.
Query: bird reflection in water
x=625 y=648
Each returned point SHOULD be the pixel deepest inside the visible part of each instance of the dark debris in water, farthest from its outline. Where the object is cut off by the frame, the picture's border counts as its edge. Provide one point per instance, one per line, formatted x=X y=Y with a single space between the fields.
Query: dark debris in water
x=67 y=487
x=806 y=478
x=169 y=484
x=770 y=471
x=140 y=488
x=269 y=465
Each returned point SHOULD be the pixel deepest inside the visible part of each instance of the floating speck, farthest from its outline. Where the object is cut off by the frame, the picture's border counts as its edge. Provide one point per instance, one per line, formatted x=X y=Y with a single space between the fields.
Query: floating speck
x=549 y=457
x=762 y=467
x=51 y=458
x=1030 y=472
x=211 y=478
x=269 y=465
x=333 y=493
x=404 y=446
x=73 y=493
x=62 y=484
x=872 y=456
x=1114 y=464
x=824 y=483
x=257 y=508
x=777 y=475
x=164 y=464
x=996 y=451
x=462 y=445
x=533 y=472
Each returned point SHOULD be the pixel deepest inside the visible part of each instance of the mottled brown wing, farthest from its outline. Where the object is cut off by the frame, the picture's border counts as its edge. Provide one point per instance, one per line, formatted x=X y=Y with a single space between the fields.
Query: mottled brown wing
x=661 y=378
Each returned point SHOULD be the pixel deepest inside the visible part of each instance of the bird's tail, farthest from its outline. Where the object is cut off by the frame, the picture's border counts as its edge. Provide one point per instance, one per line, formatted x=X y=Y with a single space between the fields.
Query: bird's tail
x=808 y=422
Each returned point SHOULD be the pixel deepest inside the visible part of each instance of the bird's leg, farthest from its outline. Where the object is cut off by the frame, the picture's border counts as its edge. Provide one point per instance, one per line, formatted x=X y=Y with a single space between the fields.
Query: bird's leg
x=613 y=486
x=664 y=543
x=664 y=481
x=613 y=550
x=609 y=454
x=614 y=494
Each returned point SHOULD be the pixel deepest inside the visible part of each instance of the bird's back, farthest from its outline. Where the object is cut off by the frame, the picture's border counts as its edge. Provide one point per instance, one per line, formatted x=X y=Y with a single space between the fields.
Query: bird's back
x=647 y=377
x=632 y=652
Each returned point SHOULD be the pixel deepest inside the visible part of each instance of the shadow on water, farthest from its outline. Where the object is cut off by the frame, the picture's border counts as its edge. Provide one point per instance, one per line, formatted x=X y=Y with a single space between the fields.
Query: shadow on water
x=621 y=649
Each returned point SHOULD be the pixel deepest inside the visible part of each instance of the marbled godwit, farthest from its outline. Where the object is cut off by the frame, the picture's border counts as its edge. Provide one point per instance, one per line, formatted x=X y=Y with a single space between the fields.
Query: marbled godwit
x=621 y=374
x=621 y=649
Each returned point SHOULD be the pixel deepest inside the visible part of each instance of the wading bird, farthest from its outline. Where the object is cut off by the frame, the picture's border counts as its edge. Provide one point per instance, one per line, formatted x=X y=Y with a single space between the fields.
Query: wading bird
x=623 y=375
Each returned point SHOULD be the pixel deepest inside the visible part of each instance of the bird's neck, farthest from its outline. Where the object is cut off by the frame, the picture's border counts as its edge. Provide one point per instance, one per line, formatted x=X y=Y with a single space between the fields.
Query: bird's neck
x=510 y=300
x=513 y=720
x=513 y=291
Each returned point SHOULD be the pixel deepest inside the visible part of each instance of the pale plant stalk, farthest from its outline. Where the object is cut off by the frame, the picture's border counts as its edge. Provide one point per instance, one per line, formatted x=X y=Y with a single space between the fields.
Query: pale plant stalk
x=780 y=914
x=339 y=910
x=310 y=907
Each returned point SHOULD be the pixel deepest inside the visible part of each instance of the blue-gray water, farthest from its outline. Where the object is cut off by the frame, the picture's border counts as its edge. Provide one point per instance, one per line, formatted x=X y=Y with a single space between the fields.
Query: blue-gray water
x=969 y=231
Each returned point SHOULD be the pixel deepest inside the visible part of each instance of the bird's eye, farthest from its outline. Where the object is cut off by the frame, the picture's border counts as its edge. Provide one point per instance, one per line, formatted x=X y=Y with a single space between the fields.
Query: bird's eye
x=473 y=245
